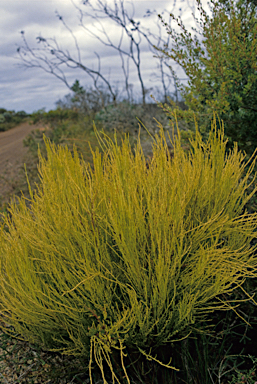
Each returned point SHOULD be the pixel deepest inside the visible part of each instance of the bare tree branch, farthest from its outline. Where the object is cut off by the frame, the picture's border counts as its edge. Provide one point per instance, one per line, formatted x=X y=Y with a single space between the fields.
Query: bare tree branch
x=121 y=18
x=38 y=59
x=51 y=58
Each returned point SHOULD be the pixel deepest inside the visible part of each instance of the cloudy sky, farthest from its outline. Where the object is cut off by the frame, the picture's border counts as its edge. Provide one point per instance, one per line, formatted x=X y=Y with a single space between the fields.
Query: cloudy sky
x=30 y=89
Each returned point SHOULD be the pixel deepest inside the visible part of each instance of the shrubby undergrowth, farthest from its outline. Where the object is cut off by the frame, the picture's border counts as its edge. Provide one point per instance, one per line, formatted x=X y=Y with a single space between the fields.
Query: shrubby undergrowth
x=9 y=119
x=123 y=261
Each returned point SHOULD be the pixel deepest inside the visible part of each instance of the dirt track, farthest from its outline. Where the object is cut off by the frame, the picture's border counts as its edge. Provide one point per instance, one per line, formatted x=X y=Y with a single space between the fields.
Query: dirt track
x=11 y=145
x=12 y=154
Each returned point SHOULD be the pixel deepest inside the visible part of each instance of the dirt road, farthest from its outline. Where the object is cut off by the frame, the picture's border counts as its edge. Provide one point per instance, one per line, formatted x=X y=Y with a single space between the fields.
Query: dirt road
x=11 y=145
x=12 y=153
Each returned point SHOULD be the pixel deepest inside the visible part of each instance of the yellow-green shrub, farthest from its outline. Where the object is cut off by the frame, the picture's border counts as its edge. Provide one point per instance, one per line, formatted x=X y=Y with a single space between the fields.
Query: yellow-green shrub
x=125 y=256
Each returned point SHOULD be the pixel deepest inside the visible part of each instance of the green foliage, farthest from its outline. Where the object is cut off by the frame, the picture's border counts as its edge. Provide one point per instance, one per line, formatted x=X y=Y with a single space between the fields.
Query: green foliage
x=60 y=115
x=86 y=100
x=125 y=117
x=125 y=257
x=77 y=89
x=222 y=72
x=8 y=116
x=9 y=119
x=38 y=115
x=21 y=114
x=246 y=377
x=53 y=116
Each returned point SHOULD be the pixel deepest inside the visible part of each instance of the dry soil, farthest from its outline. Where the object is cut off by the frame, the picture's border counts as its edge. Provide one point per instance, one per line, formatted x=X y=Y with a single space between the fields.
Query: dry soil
x=12 y=152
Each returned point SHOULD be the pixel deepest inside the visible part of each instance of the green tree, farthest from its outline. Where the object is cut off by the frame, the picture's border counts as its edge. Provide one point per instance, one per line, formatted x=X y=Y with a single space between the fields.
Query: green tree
x=77 y=89
x=221 y=70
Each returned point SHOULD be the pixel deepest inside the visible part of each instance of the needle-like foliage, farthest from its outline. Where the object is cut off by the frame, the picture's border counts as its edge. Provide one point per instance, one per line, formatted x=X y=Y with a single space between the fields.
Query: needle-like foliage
x=123 y=256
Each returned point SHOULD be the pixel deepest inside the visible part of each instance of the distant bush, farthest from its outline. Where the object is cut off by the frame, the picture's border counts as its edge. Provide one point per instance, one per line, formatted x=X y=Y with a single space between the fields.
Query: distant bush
x=86 y=100
x=21 y=114
x=8 y=116
x=9 y=119
x=57 y=115
x=127 y=117
x=37 y=116
x=60 y=115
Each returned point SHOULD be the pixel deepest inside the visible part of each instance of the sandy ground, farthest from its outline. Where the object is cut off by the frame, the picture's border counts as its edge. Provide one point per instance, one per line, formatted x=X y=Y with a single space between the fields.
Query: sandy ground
x=11 y=145
x=12 y=154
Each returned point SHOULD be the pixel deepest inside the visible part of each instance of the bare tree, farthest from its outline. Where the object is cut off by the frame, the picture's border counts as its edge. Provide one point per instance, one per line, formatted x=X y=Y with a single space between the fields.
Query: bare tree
x=51 y=58
x=132 y=27
x=129 y=27
x=161 y=75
